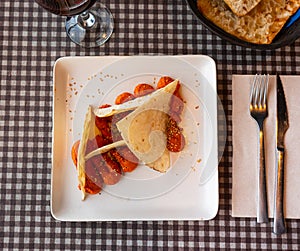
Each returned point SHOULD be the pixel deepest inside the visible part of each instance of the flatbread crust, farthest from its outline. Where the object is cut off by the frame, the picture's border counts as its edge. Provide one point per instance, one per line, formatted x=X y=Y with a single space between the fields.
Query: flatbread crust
x=241 y=7
x=259 y=26
x=87 y=128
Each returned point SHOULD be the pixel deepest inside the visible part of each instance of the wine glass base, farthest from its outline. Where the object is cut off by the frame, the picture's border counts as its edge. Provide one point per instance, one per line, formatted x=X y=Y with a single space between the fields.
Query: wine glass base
x=91 y=28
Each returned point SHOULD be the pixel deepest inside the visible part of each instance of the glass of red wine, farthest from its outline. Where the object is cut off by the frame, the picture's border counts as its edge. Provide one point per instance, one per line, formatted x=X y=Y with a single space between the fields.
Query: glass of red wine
x=89 y=23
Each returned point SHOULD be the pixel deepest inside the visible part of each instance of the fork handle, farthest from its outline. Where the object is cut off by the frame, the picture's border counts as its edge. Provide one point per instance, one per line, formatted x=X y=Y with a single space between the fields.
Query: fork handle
x=279 y=226
x=262 y=204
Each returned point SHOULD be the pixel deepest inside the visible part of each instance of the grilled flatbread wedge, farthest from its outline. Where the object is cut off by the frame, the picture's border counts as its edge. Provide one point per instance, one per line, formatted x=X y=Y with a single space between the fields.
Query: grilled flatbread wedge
x=241 y=7
x=144 y=130
x=259 y=26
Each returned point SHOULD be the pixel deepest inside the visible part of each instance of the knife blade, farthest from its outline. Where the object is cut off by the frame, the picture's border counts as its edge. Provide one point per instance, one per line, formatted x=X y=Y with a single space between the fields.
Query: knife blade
x=281 y=128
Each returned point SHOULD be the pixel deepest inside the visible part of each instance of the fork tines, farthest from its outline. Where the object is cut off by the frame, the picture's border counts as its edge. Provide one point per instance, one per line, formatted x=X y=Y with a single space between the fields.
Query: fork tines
x=258 y=94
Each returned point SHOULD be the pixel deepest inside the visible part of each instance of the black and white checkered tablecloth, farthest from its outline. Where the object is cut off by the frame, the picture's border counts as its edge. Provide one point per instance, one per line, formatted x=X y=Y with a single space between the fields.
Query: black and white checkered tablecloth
x=31 y=40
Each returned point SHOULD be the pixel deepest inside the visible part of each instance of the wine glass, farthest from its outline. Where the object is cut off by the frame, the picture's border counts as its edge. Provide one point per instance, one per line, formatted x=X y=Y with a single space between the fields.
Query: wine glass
x=89 y=23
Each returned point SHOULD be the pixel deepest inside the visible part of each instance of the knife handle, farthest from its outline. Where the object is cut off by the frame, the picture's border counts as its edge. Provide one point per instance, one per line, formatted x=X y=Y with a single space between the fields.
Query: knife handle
x=262 y=204
x=279 y=225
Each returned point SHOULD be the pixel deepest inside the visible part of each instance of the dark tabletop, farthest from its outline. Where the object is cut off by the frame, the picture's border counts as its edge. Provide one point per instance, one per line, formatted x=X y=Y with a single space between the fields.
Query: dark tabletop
x=31 y=40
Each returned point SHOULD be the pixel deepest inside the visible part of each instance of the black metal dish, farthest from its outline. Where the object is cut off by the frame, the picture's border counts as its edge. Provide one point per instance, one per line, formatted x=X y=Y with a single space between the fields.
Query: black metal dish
x=285 y=37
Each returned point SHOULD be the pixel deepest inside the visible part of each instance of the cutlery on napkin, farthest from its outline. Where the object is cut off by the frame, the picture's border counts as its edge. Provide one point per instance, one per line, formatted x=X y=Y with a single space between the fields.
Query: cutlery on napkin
x=245 y=145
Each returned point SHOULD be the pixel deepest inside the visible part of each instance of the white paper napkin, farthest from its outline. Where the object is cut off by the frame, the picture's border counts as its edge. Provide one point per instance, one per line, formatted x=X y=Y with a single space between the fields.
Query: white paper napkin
x=245 y=148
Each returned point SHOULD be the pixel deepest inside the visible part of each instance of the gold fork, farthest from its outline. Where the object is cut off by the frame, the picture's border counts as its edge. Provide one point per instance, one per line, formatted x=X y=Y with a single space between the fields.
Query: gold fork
x=259 y=111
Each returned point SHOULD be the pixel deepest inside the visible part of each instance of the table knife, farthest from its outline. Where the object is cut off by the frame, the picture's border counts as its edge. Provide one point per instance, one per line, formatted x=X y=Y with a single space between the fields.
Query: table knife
x=281 y=128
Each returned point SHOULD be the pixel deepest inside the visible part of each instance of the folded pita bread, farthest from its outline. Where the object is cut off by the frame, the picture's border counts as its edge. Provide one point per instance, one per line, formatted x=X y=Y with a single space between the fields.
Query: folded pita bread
x=241 y=7
x=259 y=26
x=87 y=128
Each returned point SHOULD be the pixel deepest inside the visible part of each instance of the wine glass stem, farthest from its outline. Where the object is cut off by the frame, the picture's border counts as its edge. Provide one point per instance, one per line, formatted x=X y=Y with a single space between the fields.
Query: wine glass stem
x=86 y=20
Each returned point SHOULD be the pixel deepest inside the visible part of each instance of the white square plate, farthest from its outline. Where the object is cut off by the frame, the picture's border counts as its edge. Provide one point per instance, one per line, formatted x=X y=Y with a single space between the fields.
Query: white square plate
x=189 y=191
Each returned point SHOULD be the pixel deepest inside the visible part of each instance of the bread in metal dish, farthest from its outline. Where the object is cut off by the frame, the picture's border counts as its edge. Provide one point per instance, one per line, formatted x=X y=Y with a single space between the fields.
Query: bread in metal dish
x=259 y=26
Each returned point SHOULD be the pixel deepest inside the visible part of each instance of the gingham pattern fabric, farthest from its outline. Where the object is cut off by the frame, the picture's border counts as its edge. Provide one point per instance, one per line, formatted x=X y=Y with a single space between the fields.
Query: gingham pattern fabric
x=31 y=40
